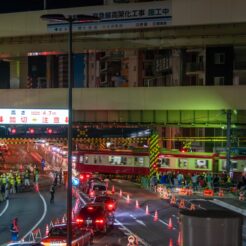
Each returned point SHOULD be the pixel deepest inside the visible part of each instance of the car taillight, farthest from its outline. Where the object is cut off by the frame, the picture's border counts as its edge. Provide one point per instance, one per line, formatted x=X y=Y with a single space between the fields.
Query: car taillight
x=99 y=221
x=81 y=177
x=110 y=206
x=88 y=175
x=92 y=193
x=79 y=220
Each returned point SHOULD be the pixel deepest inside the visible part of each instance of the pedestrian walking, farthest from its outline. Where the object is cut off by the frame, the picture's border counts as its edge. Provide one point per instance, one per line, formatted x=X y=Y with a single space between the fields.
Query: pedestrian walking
x=43 y=164
x=52 y=194
x=60 y=176
x=55 y=179
x=14 y=230
x=6 y=194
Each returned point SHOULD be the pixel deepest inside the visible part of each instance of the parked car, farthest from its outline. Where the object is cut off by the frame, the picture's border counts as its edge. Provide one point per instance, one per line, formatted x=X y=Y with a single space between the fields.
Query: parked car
x=4 y=148
x=58 y=236
x=96 y=217
x=109 y=202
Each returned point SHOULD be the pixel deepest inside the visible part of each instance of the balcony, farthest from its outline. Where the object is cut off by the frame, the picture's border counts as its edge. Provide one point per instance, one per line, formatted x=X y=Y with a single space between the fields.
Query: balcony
x=192 y=67
x=240 y=65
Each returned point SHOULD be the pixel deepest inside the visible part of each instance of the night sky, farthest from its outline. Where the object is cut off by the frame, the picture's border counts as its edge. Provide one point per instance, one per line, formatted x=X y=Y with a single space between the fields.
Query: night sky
x=31 y=5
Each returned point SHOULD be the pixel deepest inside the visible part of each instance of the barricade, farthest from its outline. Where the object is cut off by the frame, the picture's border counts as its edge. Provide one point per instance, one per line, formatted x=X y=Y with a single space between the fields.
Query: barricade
x=183 y=192
x=241 y=196
x=173 y=200
x=221 y=193
x=182 y=204
x=34 y=236
x=208 y=193
x=190 y=191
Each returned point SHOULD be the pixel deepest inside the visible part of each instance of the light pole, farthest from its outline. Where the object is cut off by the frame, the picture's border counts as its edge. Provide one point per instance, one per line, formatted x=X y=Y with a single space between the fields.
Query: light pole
x=70 y=19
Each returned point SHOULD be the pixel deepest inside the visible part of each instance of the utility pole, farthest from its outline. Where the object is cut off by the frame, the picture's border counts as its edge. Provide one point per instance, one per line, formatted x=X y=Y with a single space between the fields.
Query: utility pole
x=228 y=140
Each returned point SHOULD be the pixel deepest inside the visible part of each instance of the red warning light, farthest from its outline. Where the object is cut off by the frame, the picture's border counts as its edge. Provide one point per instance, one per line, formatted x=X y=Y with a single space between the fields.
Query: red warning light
x=31 y=130
x=49 y=131
x=13 y=131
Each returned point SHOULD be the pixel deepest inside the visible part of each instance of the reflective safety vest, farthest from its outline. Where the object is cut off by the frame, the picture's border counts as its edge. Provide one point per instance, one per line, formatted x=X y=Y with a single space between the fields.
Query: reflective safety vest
x=4 y=180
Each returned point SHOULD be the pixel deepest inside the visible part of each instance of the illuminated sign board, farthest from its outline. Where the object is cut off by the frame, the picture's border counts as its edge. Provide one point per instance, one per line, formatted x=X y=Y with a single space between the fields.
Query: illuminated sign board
x=34 y=116
x=124 y=16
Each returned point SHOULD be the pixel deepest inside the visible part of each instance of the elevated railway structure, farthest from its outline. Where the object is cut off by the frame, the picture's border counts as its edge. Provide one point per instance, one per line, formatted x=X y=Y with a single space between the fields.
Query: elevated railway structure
x=190 y=26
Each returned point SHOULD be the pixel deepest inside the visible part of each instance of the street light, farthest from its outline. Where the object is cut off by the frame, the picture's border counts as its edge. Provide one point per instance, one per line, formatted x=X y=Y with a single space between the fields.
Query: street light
x=70 y=19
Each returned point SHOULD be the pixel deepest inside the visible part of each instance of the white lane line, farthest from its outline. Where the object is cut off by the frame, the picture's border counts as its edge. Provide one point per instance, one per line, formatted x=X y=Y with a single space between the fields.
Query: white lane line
x=164 y=222
x=140 y=222
x=133 y=216
x=44 y=214
x=140 y=240
x=5 y=208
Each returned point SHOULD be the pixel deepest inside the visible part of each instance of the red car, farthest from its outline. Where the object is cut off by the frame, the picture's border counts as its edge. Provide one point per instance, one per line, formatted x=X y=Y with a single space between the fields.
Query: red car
x=96 y=217
x=109 y=202
x=4 y=148
x=58 y=236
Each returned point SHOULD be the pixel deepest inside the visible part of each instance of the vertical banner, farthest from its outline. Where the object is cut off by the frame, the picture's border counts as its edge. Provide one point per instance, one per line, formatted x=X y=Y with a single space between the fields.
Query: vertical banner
x=154 y=151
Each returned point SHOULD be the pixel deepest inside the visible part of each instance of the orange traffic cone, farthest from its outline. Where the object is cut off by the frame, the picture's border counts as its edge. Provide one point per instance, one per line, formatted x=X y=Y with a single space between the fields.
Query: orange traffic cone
x=47 y=230
x=113 y=190
x=179 y=239
x=182 y=203
x=120 y=193
x=170 y=224
x=63 y=220
x=128 y=199
x=173 y=200
x=147 y=210
x=156 y=216
x=170 y=242
x=137 y=204
x=192 y=207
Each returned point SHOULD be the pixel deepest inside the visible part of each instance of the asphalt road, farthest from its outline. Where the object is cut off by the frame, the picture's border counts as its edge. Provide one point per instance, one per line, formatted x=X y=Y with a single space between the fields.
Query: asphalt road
x=34 y=211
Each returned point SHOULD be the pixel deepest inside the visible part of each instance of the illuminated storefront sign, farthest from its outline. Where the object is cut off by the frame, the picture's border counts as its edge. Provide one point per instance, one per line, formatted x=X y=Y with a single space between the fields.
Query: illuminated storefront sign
x=34 y=116
x=123 y=16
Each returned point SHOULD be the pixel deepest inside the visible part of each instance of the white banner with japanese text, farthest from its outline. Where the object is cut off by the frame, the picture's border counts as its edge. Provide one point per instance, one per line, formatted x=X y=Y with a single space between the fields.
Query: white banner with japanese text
x=122 y=16
x=34 y=116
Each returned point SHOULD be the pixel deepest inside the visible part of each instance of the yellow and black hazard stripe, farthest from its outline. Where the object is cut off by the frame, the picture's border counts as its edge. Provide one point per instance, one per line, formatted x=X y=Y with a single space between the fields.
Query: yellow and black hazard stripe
x=154 y=151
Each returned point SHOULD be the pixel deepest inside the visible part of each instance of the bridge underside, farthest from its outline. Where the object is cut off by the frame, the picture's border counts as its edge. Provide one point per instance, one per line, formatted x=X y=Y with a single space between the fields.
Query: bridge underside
x=164 y=118
x=170 y=37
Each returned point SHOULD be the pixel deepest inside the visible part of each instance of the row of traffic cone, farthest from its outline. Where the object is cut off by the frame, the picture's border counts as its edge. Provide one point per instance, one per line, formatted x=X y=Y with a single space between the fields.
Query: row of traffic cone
x=170 y=223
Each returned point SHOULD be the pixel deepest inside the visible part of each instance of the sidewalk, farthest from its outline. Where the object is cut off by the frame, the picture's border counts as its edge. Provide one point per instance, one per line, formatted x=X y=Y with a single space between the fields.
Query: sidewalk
x=232 y=204
x=229 y=200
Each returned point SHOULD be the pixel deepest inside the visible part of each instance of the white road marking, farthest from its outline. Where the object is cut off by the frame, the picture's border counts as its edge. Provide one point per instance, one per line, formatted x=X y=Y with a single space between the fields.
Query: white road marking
x=44 y=214
x=5 y=208
x=133 y=216
x=138 y=221
x=140 y=240
x=164 y=222
x=141 y=222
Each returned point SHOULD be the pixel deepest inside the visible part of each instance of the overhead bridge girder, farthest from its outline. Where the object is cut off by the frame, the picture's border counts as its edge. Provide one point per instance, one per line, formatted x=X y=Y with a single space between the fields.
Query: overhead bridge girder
x=175 y=118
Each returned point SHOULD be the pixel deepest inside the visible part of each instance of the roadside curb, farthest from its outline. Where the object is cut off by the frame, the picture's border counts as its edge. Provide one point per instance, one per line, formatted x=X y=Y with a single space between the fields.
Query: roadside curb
x=229 y=206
